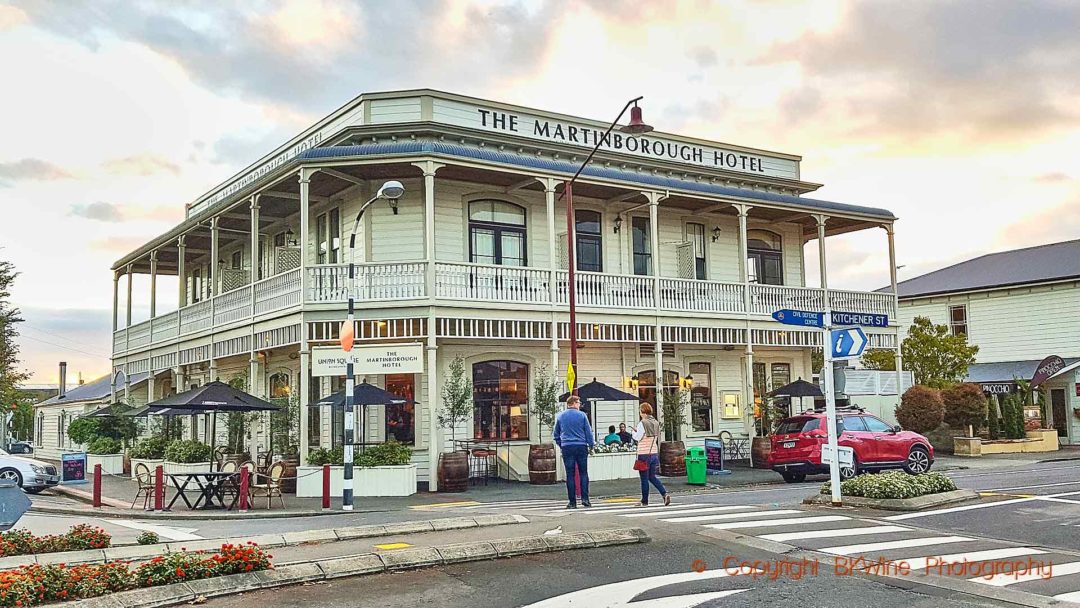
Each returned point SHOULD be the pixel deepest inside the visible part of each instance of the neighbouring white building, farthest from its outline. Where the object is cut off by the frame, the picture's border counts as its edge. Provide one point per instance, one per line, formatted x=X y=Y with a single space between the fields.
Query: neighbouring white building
x=684 y=249
x=1019 y=307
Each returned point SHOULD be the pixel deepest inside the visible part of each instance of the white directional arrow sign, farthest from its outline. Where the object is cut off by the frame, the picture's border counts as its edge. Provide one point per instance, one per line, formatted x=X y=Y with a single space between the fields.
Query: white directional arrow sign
x=621 y=594
x=848 y=343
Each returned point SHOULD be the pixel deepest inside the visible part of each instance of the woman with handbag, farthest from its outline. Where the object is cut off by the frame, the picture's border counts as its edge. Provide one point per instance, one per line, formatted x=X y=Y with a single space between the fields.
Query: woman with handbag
x=647 y=436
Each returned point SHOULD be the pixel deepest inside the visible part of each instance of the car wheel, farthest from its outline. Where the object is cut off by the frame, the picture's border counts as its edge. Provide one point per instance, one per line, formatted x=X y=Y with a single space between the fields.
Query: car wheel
x=794 y=477
x=918 y=461
x=34 y=490
x=11 y=475
x=847 y=473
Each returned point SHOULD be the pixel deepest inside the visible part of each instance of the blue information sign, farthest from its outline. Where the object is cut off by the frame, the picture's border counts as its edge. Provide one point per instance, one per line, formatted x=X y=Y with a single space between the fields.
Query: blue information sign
x=804 y=318
x=858 y=318
x=848 y=343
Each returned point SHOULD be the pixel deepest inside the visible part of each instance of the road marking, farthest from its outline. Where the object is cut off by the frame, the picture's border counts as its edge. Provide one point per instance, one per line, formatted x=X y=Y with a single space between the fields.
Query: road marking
x=1052 y=499
x=622 y=499
x=524 y=504
x=618 y=594
x=166 y=532
x=919 y=563
x=444 y=505
x=896 y=544
x=685 y=511
x=621 y=509
x=786 y=536
x=1012 y=471
x=1068 y=597
x=391 y=546
x=731 y=525
x=978 y=506
x=1041 y=485
x=1011 y=578
x=679 y=520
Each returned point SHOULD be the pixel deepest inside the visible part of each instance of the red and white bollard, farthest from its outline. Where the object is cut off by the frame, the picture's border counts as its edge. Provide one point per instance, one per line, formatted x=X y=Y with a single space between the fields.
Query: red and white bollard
x=325 y=486
x=97 y=485
x=244 y=489
x=159 y=488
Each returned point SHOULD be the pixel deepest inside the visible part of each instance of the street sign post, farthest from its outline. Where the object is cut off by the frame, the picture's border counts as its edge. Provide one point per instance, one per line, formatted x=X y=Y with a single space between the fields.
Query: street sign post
x=847 y=455
x=847 y=343
x=859 y=318
x=804 y=318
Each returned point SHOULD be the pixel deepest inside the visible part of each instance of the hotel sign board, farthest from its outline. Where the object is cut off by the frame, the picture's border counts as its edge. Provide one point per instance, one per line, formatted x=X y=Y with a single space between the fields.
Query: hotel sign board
x=372 y=360
x=647 y=146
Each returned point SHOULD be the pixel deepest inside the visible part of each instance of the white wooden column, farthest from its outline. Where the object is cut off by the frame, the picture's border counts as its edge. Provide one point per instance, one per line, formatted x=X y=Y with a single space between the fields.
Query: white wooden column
x=553 y=267
x=305 y=248
x=658 y=346
x=115 y=300
x=153 y=283
x=254 y=240
x=215 y=268
x=429 y=168
x=748 y=354
x=128 y=271
x=181 y=249
x=431 y=374
x=744 y=264
x=890 y=231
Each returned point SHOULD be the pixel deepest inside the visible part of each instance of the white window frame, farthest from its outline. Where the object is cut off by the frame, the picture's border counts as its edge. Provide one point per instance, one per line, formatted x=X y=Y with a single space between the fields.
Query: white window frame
x=953 y=325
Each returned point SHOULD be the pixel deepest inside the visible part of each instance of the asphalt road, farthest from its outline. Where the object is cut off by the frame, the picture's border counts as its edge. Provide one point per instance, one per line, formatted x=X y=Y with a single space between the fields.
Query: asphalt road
x=524 y=581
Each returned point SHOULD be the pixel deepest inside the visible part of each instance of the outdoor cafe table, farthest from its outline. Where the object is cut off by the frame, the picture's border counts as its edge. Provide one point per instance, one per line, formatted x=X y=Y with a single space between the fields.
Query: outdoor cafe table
x=210 y=486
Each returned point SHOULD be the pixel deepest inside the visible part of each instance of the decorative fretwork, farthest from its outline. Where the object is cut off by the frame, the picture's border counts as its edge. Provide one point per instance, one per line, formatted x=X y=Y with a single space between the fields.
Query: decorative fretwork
x=234 y=278
x=287 y=258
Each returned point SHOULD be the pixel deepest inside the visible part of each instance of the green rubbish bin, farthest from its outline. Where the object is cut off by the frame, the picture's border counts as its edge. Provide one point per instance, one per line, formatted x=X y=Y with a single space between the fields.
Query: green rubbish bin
x=695 y=466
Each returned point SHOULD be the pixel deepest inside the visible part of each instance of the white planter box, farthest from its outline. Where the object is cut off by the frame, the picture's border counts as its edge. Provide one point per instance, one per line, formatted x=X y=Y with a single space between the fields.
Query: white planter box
x=151 y=463
x=375 y=481
x=173 y=468
x=111 y=464
x=619 y=465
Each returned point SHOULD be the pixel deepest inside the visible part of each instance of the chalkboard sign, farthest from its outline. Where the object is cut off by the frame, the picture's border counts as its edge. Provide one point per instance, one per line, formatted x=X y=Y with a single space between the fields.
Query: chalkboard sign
x=73 y=467
x=714 y=456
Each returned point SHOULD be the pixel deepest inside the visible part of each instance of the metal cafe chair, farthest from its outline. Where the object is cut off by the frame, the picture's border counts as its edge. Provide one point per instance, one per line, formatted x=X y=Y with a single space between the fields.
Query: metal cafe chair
x=146 y=485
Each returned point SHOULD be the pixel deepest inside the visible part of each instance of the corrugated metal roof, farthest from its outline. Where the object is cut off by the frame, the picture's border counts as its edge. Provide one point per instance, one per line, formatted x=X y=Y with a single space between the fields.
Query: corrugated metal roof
x=1054 y=262
x=565 y=166
x=94 y=390
x=1005 y=371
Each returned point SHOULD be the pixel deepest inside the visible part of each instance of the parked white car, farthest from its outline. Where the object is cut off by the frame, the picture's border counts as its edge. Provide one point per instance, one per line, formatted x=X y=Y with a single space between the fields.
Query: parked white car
x=32 y=475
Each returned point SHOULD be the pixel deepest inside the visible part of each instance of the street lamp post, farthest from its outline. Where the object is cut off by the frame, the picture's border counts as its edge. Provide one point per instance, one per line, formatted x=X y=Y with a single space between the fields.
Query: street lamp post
x=390 y=191
x=635 y=127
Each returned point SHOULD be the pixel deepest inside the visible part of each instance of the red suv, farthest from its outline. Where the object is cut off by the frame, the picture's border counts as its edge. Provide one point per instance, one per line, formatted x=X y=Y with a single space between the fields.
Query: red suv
x=796 y=445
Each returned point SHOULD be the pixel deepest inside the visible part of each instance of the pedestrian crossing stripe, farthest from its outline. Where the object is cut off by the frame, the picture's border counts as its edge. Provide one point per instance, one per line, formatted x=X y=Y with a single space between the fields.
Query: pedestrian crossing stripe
x=809 y=534
x=670 y=511
x=1036 y=573
x=1068 y=597
x=443 y=505
x=794 y=521
x=754 y=514
x=920 y=563
x=896 y=544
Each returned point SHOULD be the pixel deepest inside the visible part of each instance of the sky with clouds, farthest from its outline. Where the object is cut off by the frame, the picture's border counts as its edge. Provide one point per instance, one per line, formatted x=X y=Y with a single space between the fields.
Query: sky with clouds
x=961 y=117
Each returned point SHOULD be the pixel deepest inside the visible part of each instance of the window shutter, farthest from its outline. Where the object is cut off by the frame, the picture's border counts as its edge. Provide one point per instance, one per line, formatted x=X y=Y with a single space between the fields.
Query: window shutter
x=563 y=251
x=684 y=254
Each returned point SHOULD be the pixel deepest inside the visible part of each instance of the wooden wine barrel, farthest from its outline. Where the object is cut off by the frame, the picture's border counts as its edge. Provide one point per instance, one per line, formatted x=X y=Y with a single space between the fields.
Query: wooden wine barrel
x=542 y=464
x=672 y=458
x=453 y=471
x=288 y=480
x=760 y=448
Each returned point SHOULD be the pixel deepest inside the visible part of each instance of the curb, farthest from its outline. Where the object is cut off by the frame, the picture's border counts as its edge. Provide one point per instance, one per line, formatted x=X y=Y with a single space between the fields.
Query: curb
x=145 y=552
x=354 y=565
x=917 y=503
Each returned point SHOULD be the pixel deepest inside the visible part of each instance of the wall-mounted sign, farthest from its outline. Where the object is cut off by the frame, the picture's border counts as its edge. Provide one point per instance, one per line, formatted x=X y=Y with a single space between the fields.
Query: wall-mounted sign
x=998 y=388
x=371 y=359
x=1047 y=368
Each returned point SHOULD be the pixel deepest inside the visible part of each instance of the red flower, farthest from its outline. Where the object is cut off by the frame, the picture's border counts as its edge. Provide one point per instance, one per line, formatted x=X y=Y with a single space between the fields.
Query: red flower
x=180 y=573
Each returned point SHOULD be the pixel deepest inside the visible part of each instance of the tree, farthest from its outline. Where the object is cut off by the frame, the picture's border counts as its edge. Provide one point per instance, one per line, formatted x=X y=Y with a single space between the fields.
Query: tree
x=879 y=359
x=965 y=407
x=22 y=423
x=992 y=418
x=921 y=409
x=673 y=404
x=546 y=399
x=10 y=375
x=457 y=397
x=935 y=356
x=235 y=422
x=1013 y=415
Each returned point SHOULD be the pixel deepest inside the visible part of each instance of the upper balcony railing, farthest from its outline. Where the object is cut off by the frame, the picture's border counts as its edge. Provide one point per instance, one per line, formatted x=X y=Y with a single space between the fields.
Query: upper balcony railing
x=481 y=283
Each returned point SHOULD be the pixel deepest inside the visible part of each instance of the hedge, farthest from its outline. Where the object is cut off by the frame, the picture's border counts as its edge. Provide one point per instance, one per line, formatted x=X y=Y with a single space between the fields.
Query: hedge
x=78 y=538
x=894 y=484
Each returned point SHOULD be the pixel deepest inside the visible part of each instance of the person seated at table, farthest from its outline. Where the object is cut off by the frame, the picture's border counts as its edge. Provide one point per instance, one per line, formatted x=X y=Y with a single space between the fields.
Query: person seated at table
x=625 y=436
x=612 y=436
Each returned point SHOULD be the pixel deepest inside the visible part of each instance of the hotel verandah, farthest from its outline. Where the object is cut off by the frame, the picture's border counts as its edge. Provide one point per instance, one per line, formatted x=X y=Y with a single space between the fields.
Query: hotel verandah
x=684 y=249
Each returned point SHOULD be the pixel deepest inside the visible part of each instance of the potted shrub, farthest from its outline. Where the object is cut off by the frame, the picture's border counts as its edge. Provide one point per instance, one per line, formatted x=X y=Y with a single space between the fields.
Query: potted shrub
x=187 y=456
x=382 y=470
x=149 y=451
x=965 y=408
x=672 y=449
x=546 y=405
x=457 y=403
x=106 y=452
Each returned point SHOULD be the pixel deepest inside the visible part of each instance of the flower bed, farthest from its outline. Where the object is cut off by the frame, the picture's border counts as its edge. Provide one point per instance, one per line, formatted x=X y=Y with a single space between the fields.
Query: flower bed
x=37 y=584
x=79 y=538
x=894 y=485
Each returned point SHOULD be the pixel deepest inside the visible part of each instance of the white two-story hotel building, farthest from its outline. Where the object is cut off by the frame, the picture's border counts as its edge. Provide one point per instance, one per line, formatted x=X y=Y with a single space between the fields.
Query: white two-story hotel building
x=684 y=249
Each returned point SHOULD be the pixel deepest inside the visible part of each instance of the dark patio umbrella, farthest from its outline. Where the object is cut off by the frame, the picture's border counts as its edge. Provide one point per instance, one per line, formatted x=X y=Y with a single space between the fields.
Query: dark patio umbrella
x=364 y=394
x=598 y=391
x=109 y=411
x=209 y=398
x=800 y=388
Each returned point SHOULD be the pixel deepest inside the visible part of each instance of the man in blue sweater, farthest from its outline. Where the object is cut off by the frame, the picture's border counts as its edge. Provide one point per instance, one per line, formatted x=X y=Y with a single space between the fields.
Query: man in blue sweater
x=574 y=436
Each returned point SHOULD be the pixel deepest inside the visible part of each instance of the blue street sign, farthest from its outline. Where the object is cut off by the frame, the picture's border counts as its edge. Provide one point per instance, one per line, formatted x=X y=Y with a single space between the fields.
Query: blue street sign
x=858 y=318
x=804 y=318
x=847 y=343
